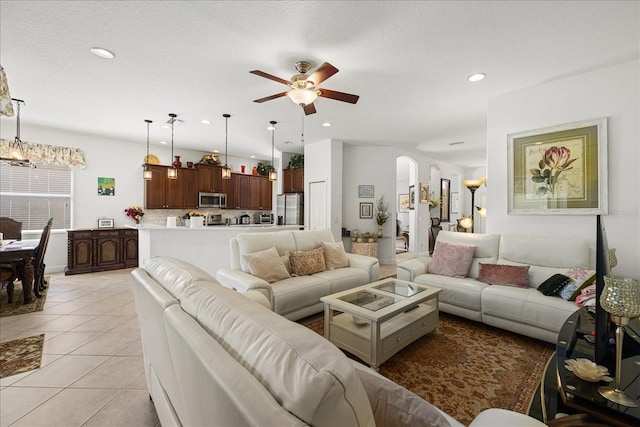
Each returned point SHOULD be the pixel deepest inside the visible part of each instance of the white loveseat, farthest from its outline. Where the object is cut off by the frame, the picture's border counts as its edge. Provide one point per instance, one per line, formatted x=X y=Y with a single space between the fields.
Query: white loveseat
x=524 y=311
x=213 y=357
x=299 y=296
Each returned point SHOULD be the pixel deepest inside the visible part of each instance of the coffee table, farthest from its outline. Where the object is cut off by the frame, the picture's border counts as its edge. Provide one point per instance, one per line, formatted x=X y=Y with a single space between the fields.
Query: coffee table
x=379 y=319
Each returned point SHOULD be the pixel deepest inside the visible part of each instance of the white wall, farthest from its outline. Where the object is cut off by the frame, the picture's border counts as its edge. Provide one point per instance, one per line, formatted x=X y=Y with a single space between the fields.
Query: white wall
x=611 y=92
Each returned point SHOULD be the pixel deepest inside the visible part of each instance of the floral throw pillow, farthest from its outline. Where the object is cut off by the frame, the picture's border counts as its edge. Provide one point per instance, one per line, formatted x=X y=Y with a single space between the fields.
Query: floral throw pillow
x=580 y=278
x=307 y=262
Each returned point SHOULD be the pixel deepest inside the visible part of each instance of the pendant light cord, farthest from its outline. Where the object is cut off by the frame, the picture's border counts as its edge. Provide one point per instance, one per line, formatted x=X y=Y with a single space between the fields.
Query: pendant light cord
x=148 y=123
x=226 y=139
x=273 y=133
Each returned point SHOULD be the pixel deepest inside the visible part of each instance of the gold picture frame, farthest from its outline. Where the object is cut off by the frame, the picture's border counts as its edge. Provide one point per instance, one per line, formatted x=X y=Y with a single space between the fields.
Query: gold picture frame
x=560 y=170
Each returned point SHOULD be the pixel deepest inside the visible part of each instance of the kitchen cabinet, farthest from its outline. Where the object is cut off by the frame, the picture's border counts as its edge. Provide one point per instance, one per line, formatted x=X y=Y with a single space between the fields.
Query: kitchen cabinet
x=101 y=250
x=250 y=192
x=293 y=180
x=266 y=194
x=164 y=193
x=210 y=178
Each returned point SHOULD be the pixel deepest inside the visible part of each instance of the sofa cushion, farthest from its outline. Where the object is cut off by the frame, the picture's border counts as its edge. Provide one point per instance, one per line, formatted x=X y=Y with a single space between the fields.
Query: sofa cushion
x=305 y=373
x=253 y=242
x=451 y=259
x=486 y=244
x=580 y=278
x=298 y=292
x=394 y=405
x=334 y=255
x=558 y=252
x=175 y=275
x=342 y=279
x=266 y=265
x=310 y=239
x=307 y=262
x=553 y=284
x=506 y=275
x=464 y=293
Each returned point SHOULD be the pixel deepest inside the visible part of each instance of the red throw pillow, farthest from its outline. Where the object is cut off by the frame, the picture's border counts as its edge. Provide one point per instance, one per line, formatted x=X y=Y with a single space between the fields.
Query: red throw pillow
x=506 y=275
x=451 y=260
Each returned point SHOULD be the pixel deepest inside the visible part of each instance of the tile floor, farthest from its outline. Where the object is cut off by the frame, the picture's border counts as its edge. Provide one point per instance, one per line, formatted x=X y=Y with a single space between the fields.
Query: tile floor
x=92 y=372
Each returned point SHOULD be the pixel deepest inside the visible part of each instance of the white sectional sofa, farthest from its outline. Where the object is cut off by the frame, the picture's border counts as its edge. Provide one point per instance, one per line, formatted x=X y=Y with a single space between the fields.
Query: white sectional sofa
x=524 y=311
x=299 y=296
x=213 y=357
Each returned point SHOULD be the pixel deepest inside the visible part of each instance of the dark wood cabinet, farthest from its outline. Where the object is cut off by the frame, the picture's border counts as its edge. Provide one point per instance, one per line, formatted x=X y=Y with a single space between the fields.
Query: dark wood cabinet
x=101 y=250
x=210 y=179
x=293 y=180
x=266 y=194
x=164 y=193
x=189 y=188
x=251 y=192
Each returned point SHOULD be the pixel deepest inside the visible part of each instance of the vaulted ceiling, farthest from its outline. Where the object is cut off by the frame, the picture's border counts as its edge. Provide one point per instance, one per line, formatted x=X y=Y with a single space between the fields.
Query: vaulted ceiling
x=408 y=61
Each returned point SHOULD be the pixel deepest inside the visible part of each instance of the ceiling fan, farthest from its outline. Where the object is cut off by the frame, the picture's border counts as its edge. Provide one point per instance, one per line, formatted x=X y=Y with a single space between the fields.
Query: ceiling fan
x=304 y=88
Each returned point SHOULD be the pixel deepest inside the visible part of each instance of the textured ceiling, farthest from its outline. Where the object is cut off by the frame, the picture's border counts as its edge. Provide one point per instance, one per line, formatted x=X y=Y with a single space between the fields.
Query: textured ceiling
x=408 y=61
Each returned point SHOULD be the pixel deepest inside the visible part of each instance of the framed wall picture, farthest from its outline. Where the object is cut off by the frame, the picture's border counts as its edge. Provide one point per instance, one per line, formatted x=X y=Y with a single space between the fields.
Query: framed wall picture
x=424 y=193
x=445 y=191
x=455 y=203
x=560 y=170
x=105 y=223
x=106 y=186
x=403 y=203
x=412 y=196
x=366 y=210
x=366 y=191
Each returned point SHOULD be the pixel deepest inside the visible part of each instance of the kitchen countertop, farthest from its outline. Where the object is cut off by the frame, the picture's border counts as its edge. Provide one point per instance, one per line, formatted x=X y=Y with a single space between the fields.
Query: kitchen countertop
x=214 y=227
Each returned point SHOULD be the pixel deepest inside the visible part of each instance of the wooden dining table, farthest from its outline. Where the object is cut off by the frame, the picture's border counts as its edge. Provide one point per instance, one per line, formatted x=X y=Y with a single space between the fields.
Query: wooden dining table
x=16 y=250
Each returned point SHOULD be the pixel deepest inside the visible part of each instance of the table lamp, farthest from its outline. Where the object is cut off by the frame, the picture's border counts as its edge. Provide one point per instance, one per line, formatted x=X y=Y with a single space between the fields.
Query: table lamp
x=620 y=298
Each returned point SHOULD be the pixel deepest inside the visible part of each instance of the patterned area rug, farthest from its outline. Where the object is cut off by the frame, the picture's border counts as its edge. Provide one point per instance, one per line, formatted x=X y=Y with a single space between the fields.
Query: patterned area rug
x=16 y=307
x=21 y=355
x=467 y=367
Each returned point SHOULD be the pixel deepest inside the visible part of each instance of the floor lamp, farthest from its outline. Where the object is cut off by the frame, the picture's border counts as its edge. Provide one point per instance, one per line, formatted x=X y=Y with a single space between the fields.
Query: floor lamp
x=473 y=185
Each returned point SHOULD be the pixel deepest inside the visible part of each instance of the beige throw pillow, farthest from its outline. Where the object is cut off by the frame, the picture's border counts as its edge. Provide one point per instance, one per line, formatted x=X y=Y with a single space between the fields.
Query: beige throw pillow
x=307 y=262
x=334 y=255
x=267 y=265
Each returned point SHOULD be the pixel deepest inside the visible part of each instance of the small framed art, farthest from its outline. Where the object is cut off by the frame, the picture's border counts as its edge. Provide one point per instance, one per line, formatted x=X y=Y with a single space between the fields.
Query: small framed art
x=366 y=210
x=366 y=191
x=403 y=203
x=105 y=223
x=412 y=197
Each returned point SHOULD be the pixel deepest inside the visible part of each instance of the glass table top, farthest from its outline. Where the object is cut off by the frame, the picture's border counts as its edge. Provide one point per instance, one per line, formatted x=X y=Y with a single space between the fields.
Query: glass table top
x=400 y=288
x=369 y=300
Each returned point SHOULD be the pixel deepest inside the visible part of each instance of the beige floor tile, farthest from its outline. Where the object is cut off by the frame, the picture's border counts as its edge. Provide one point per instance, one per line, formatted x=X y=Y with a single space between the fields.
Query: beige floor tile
x=130 y=408
x=116 y=372
x=25 y=322
x=64 y=308
x=69 y=408
x=133 y=349
x=108 y=344
x=19 y=401
x=102 y=323
x=65 y=323
x=62 y=372
x=67 y=342
x=139 y=383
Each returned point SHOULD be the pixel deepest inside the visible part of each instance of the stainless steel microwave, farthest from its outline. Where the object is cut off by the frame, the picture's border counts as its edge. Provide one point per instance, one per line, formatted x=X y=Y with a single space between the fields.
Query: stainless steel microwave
x=212 y=200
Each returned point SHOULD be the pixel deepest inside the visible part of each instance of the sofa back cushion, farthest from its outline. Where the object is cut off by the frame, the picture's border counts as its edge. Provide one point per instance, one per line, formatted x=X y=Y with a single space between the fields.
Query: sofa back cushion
x=248 y=243
x=486 y=247
x=305 y=373
x=175 y=275
x=311 y=239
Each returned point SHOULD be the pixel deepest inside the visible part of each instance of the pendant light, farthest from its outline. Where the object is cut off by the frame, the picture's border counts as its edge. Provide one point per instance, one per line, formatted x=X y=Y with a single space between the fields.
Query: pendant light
x=226 y=171
x=273 y=174
x=16 y=151
x=172 y=172
x=147 y=174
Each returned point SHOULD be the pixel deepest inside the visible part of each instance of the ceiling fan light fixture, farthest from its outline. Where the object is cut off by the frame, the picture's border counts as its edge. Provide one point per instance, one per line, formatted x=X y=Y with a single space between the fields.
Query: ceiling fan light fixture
x=302 y=96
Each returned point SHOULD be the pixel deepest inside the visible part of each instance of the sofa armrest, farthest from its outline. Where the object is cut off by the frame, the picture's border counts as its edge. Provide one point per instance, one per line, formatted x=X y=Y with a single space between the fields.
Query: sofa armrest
x=370 y=264
x=244 y=282
x=410 y=269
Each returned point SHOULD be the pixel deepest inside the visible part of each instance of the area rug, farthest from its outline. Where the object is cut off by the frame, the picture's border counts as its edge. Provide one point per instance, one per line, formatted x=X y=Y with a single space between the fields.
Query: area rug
x=21 y=355
x=466 y=367
x=16 y=307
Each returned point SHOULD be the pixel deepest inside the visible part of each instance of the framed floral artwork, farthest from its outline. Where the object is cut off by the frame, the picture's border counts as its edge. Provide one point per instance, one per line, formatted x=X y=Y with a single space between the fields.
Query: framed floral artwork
x=403 y=203
x=560 y=170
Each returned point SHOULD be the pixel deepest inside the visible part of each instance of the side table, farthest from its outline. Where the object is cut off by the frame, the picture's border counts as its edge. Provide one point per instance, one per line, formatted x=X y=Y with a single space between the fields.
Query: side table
x=365 y=248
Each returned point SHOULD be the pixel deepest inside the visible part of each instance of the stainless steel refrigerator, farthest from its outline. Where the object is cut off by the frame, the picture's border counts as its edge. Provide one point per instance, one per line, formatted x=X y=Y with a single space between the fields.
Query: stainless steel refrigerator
x=290 y=209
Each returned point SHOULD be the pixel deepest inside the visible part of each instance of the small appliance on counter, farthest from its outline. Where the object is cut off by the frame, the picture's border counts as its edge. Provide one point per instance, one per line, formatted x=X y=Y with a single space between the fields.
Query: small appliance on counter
x=245 y=219
x=263 y=218
x=214 y=219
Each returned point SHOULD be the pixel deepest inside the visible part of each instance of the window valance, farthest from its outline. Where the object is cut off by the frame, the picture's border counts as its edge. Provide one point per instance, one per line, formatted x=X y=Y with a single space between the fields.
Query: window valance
x=44 y=154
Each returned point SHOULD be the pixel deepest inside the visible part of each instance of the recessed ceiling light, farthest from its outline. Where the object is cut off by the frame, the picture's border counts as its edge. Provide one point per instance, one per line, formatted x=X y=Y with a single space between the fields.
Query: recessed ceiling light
x=253 y=157
x=326 y=124
x=476 y=77
x=163 y=142
x=166 y=126
x=103 y=53
x=205 y=122
x=216 y=151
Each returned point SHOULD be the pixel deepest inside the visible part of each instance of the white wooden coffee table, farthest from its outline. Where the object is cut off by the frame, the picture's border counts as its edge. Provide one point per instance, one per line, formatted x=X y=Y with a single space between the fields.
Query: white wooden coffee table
x=380 y=318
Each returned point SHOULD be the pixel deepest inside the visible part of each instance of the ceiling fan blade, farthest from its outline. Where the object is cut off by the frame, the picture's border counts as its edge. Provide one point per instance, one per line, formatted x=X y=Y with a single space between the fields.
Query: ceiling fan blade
x=269 y=76
x=269 y=98
x=323 y=72
x=339 y=96
x=309 y=109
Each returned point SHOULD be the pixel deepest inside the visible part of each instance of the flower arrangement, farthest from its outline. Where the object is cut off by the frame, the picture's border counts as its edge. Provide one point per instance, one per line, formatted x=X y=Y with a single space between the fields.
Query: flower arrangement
x=192 y=213
x=382 y=214
x=134 y=212
x=555 y=160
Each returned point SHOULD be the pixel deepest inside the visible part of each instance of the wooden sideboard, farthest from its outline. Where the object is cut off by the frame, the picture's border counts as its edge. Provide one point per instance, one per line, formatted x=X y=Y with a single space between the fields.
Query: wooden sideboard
x=102 y=249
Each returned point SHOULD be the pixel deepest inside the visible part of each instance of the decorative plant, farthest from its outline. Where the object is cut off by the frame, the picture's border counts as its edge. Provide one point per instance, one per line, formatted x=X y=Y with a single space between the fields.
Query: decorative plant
x=134 y=212
x=555 y=160
x=210 y=159
x=382 y=214
x=296 y=161
x=264 y=168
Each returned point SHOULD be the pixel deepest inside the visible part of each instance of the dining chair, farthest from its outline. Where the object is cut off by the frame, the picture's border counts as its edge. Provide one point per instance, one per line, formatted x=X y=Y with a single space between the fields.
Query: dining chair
x=10 y=228
x=38 y=259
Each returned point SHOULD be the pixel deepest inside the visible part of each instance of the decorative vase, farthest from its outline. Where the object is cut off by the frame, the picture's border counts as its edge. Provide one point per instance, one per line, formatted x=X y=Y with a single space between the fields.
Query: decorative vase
x=254 y=171
x=379 y=231
x=177 y=163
